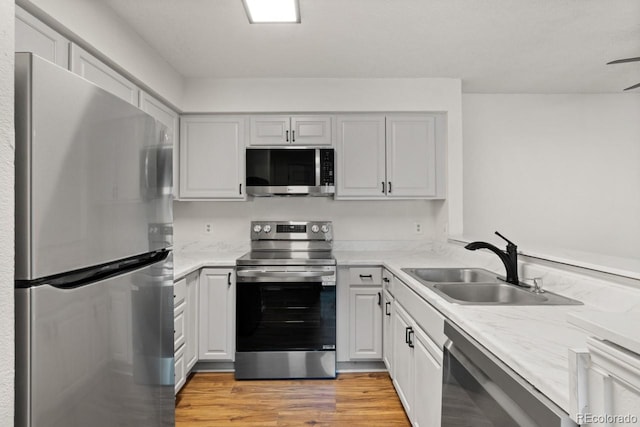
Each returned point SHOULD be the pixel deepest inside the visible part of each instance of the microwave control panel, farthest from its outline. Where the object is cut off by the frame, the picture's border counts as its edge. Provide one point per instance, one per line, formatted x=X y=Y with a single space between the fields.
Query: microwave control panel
x=327 y=167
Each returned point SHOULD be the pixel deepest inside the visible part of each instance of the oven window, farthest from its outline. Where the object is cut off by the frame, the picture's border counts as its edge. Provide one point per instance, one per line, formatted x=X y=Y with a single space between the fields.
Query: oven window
x=281 y=167
x=285 y=316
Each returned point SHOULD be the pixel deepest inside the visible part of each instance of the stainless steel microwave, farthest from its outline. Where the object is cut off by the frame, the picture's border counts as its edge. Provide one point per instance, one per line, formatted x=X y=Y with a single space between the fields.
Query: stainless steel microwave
x=290 y=171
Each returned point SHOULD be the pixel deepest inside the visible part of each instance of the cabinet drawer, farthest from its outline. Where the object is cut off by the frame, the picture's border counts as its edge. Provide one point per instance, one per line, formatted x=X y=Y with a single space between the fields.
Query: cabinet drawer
x=365 y=276
x=425 y=315
x=179 y=292
x=179 y=374
x=388 y=281
x=178 y=327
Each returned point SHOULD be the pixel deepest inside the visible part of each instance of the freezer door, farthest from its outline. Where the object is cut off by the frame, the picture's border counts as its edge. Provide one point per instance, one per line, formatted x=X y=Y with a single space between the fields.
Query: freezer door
x=93 y=182
x=98 y=355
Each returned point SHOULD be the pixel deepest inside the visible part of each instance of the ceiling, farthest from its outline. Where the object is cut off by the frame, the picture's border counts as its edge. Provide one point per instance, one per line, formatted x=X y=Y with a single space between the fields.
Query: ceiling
x=494 y=46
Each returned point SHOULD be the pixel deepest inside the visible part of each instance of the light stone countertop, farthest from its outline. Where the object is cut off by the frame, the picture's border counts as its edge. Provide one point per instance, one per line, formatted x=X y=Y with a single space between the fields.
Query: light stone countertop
x=622 y=329
x=532 y=340
x=187 y=262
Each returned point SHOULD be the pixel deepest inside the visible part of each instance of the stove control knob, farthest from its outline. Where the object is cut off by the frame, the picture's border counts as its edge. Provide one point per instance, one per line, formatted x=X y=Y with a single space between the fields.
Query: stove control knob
x=315 y=228
x=325 y=228
x=267 y=228
x=257 y=228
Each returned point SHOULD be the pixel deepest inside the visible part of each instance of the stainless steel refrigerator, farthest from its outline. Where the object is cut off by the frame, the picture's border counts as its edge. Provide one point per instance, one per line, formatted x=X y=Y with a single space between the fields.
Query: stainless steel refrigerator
x=94 y=271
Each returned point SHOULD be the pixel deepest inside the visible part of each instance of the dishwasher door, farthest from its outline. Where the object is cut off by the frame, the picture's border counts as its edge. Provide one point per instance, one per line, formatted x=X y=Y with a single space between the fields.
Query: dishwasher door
x=479 y=390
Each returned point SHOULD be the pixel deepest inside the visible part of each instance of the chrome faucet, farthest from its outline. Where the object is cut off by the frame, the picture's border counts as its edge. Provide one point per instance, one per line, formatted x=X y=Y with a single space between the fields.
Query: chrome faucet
x=509 y=257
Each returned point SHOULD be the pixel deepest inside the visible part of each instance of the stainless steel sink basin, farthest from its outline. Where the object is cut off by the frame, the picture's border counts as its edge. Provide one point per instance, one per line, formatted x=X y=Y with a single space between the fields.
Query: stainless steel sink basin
x=453 y=275
x=475 y=286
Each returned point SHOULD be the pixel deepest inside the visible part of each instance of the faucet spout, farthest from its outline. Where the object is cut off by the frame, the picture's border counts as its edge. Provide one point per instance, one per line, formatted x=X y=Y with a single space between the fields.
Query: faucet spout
x=509 y=257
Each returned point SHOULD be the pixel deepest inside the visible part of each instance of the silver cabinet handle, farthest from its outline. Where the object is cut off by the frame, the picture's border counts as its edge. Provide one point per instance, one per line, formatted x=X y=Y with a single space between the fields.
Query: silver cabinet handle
x=386 y=306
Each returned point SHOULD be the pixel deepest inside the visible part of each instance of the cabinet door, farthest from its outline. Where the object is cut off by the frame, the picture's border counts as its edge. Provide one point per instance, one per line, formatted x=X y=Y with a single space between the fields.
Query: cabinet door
x=179 y=373
x=427 y=362
x=169 y=118
x=311 y=130
x=411 y=155
x=402 y=359
x=96 y=71
x=365 y=323
x=178 y=327
x=387 y=331
x=217 y=314
x=32 y=35
x=270 y=130
x=191 y=322
x=360 y=146
x=212 y=157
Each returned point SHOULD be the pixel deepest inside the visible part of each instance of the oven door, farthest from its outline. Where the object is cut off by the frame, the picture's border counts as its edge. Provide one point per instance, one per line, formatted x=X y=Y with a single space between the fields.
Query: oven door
x=285 y=310
x=285 y=323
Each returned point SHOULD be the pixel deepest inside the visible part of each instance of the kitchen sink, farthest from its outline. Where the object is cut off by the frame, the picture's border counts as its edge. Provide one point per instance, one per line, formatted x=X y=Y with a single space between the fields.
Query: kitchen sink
x=476 y=286
x=452 y=275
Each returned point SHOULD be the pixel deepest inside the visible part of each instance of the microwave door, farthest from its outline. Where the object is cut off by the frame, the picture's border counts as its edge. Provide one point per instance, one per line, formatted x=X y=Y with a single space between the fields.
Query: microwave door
x=281 y=171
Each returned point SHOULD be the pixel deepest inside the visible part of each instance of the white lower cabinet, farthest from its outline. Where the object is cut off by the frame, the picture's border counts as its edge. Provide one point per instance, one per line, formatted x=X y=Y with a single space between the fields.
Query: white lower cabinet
x=191 y=321
x=417 y=358
x=365 y=321
x=387 y=330
x=359 y=314
x=427 y=388
x=217 y=314
x=185 y=327
x=403 y=359
x=180 y=376
x=606 y=388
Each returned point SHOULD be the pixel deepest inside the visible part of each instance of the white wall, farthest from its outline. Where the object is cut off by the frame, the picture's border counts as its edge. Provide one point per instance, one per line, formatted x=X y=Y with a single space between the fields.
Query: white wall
x=98 y=25
x=7 y=146
x=343 y=95
x=352 y=220
x=554 y=171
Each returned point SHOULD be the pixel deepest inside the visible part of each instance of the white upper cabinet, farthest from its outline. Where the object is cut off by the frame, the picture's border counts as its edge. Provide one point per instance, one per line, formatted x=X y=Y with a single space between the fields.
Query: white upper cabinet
x=360 y=146
x=212 y=157
x=96 y=71
x=270 y=130
x=311 y=130
x=32 y=35
x=411 y=156
x=290 y=130
x=392 y=156
x=169 y=118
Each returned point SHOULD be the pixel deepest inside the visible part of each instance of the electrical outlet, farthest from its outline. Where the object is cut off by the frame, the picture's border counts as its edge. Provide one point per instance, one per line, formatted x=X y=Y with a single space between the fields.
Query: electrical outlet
x=418 y=228
x=208 y=228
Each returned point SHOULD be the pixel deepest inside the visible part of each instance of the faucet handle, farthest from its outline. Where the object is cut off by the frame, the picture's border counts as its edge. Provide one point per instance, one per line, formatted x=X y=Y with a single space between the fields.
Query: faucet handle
x=537 y=285
x=505 y=239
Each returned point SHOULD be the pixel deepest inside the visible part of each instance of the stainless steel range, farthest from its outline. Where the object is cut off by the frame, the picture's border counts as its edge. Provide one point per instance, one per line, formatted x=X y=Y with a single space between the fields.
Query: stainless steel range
x=286 y=302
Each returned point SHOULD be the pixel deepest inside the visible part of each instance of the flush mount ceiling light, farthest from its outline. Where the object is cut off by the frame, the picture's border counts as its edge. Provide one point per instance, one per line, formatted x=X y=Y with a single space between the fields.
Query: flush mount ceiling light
x=272 y=11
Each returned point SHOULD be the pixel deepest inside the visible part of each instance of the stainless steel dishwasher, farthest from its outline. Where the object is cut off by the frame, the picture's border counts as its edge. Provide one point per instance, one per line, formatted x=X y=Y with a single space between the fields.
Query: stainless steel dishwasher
x=479 y=390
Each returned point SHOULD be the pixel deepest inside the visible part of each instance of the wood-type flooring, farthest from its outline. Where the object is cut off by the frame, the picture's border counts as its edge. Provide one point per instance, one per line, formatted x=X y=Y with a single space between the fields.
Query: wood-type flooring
x=351 y=400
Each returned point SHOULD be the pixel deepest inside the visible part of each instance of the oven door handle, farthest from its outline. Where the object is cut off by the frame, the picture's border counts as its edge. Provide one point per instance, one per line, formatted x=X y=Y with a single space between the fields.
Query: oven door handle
x=285 y=274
